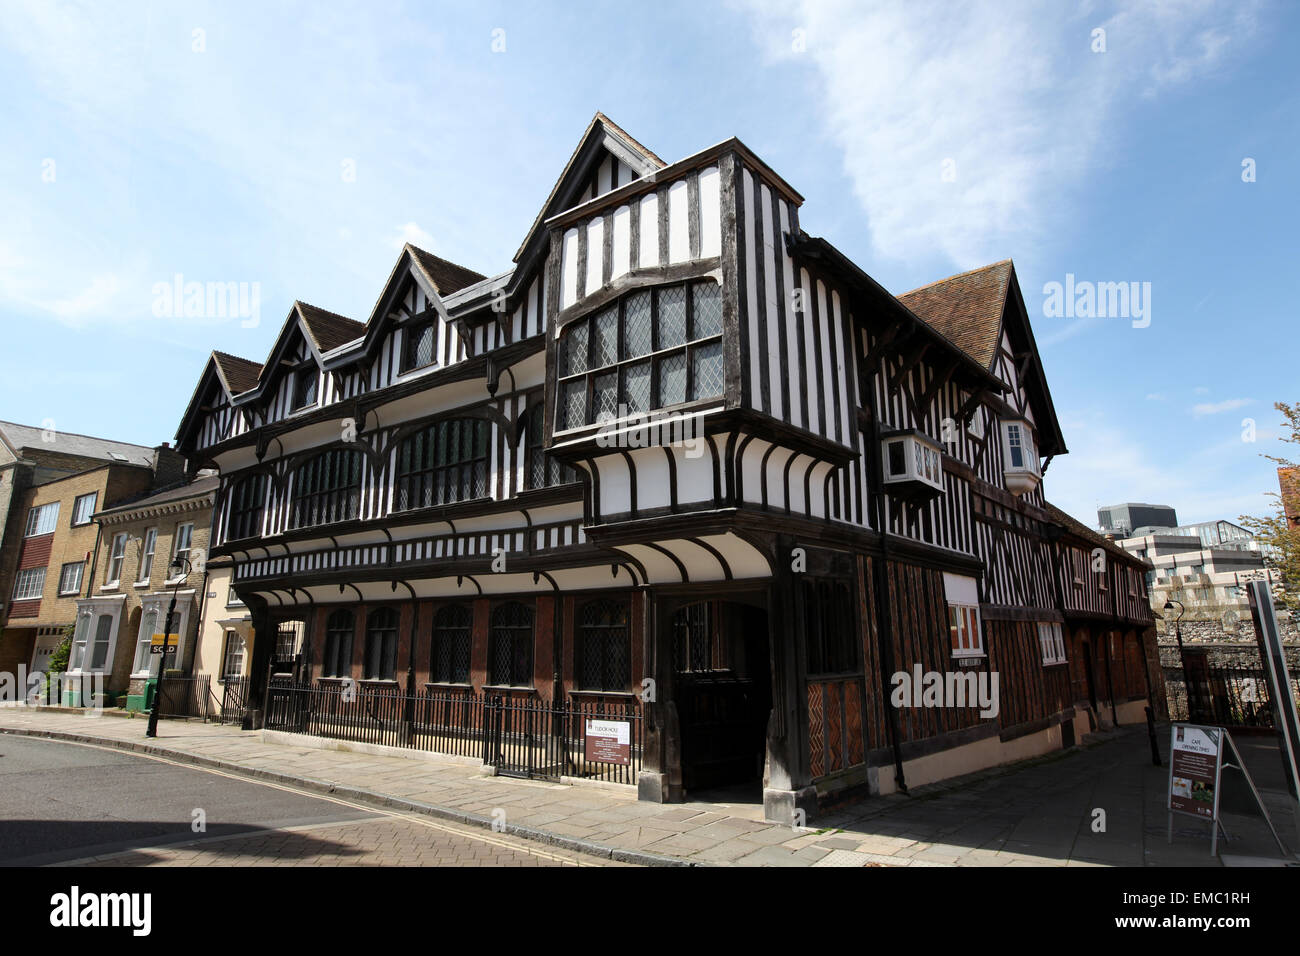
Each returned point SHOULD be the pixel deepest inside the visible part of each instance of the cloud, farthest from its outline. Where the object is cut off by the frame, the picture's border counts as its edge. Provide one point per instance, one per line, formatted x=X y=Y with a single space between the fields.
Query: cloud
x=1107 y=465
x=1214 y=408
x=1005 y=96
x=1156 y=397
x=412 y=233
x=95 y=298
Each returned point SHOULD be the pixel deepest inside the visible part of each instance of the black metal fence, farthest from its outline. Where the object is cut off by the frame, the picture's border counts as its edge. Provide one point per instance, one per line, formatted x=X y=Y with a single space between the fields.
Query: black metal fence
x=185 y=697
x=518 y=735
x=234 y=698
x=1222 y=684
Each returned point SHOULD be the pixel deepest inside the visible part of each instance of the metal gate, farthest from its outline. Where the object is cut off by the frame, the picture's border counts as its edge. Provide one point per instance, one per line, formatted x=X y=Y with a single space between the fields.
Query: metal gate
x=525 y=737
x=234 y=700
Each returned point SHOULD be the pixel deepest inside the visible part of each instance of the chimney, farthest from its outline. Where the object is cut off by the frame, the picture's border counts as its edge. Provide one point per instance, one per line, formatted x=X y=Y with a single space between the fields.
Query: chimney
x=168 y=466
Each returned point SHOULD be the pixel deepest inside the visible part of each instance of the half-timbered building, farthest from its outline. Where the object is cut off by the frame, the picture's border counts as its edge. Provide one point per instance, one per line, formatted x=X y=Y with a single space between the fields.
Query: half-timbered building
x=687 y=462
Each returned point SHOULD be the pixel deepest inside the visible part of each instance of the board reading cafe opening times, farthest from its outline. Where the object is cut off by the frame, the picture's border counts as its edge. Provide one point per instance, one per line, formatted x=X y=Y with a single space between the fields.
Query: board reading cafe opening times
x=450 y=530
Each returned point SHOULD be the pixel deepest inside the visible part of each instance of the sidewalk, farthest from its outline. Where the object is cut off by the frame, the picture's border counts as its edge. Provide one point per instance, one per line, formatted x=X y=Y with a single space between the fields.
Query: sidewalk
x=1037 y=813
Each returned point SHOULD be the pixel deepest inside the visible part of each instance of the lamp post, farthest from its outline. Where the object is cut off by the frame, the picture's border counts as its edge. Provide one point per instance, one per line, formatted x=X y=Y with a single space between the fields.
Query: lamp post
x=1178 y=636
x=180 y=569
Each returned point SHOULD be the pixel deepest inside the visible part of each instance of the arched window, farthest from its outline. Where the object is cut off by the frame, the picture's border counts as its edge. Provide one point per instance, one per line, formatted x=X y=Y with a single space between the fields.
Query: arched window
x=650 y=349
x=830 y=633
x=381 y=644
x=542 y=470
x=247 y=505
x=512 y=645
x=339 y=631
x=327 y=488
x=442 y=464
x=451 y=644
x=603 y=646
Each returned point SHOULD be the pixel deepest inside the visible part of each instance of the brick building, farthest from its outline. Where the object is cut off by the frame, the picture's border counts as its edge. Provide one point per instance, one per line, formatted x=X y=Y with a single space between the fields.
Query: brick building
x=127 y=601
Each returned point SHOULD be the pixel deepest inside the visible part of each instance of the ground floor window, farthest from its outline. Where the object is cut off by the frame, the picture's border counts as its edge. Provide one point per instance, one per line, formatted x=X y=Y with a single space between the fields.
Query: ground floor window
x=381 y=644
x=964 y=630
x=512 y=645
x=1052 y=642
x=149 y=625
x=339 y=629
x=449 y=663
x=603 y=646
x=232 y=661
x=829 y=628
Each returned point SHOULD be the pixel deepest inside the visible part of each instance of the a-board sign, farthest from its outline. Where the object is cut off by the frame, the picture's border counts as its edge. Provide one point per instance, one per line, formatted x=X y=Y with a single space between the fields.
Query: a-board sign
x=1195 y=761
x=608 y=741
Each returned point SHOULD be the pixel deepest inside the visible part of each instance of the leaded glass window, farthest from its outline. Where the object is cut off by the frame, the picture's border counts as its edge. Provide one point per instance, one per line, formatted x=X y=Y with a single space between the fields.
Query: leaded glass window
x=650 y=349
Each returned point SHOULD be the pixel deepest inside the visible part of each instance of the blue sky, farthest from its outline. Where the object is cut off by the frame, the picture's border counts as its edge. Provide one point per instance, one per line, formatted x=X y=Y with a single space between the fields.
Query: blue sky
x=296 y=146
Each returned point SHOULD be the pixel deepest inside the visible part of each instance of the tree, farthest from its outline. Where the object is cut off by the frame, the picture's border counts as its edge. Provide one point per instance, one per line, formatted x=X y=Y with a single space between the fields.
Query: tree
x=58 y=660
x=1276 y=532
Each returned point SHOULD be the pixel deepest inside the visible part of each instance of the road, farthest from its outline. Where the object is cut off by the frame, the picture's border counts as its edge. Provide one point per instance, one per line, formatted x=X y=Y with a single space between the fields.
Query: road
x=63 y=803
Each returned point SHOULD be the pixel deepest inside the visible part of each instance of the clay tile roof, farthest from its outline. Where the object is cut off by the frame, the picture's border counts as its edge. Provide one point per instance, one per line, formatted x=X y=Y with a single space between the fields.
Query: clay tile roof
x=1078 y=528
x=328 y=329
x=447 y=277
x=966 y=309
x=240 y=374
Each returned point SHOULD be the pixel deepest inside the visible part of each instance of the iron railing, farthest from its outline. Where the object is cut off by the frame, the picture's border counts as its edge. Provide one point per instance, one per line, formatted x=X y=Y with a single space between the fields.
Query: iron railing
x=1222 y=684
x=185 y=696
x=518 y=735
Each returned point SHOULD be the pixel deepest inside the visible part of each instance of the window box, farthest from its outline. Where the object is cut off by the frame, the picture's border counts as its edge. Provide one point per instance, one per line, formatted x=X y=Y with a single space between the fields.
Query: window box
x=912 y=463
x=1020 y=458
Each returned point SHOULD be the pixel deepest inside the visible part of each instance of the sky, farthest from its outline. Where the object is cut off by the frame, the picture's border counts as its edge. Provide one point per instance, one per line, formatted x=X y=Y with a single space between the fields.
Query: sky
x=293 y=149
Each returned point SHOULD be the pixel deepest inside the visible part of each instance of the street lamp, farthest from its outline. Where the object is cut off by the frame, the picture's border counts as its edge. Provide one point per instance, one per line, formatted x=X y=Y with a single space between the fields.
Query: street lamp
x=1178 y=633
x=180 y=572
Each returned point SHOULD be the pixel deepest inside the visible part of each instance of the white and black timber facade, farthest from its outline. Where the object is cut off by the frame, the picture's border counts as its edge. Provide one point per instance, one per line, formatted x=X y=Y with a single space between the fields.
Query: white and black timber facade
x=462 y=493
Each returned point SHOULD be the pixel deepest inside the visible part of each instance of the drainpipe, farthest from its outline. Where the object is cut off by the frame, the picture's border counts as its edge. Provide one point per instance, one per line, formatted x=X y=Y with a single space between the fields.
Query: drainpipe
x=884 y=629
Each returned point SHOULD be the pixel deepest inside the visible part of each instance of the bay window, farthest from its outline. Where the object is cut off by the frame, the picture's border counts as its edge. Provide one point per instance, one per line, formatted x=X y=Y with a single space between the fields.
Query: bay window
x=650 y=349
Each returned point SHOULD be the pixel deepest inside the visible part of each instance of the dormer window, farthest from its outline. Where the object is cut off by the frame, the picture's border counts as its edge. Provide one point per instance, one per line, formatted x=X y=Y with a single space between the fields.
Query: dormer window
x=417 y=348
x=304 y=387
x=1020 y=457
x=913 y=462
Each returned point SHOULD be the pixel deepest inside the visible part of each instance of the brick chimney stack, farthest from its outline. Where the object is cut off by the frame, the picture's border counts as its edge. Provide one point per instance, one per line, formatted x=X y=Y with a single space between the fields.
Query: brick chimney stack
x=168 y=466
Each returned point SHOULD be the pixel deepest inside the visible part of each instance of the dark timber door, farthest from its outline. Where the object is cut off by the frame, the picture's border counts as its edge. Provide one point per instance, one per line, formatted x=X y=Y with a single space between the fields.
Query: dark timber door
x=723 y=682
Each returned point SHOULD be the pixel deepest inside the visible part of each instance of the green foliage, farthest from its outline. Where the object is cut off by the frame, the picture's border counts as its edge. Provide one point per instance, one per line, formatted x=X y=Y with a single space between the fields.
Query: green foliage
x=1275 y=529
x=59 y=659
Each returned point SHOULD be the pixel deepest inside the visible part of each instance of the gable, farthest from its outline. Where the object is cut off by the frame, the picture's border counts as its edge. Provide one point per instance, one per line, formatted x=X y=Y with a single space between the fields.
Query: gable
x=605 y=155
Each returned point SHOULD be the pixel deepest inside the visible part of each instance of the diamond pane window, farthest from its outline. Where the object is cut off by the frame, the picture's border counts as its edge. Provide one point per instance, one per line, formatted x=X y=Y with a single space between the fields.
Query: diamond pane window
x=672 y=380
x=706 y=370
x=637 y=326
x=603 y=648
x=575 y=350
x=650 y=349
x=708 y=310
x=636 y=387
x=605 y=345
x=605 y=396
x=573 y=408
x=443 y=463
x=672 y=317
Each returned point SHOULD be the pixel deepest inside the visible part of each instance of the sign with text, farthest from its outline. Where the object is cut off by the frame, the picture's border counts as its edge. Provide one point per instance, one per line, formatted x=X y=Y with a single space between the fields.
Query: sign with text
x=164 y=643
x=608 y=741
x=1195 y=761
